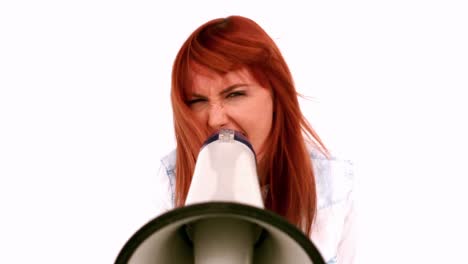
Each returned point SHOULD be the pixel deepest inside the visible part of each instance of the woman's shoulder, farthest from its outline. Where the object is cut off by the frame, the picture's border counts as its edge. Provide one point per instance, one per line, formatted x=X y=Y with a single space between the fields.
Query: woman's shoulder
x=168 y=162
x=333 y=228
x=166 y=177
x=334 y=177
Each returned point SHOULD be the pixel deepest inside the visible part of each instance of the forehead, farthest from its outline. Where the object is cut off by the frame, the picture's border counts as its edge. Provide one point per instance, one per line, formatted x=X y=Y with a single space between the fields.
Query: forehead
x=206 y=81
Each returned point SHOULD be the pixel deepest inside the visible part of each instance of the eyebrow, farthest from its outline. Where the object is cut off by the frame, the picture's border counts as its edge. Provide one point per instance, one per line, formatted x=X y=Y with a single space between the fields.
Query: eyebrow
x=224 y=91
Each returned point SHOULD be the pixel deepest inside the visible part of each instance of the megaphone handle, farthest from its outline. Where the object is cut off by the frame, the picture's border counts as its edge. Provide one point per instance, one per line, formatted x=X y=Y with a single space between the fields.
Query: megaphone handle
x=224 y=241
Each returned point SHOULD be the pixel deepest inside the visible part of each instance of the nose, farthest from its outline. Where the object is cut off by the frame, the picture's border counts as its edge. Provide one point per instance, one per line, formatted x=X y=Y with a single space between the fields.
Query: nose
x=217 y=117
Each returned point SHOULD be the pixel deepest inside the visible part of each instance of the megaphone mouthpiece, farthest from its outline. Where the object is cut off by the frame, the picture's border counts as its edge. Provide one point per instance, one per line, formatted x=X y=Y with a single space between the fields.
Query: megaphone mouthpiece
x=226 y=170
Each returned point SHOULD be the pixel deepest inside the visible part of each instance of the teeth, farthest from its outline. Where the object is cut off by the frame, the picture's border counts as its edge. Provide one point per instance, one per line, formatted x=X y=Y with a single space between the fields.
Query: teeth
x=226 y=135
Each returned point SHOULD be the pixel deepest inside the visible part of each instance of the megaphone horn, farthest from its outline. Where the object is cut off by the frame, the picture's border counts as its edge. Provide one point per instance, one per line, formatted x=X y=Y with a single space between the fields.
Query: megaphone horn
x=223 y=220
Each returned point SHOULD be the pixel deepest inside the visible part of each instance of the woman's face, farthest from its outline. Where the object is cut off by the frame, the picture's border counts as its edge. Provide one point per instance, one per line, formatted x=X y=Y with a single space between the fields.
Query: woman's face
x=233 y=101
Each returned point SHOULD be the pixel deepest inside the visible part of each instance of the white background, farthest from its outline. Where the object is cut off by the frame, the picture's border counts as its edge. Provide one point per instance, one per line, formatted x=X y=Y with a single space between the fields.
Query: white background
x=85 y=116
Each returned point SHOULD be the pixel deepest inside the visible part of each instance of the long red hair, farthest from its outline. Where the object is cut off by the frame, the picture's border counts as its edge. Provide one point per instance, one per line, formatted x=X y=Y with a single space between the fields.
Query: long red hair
x=227 y=44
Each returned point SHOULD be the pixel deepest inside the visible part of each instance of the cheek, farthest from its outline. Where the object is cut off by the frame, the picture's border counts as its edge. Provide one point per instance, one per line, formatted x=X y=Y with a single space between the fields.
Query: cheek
x=200 y=115
x=265 y=124
x=200 y=120
x=257 y=124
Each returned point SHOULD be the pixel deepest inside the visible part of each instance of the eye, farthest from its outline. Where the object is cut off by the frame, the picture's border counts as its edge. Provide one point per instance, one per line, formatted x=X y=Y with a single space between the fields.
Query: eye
x=195 y=101
x=235 y=94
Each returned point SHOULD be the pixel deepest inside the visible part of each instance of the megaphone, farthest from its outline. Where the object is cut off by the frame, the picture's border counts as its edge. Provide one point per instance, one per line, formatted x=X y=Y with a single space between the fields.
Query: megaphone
x=223 y=220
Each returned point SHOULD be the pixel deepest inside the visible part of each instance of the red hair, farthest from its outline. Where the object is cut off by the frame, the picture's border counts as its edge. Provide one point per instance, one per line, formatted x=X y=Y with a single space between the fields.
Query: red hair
x=225 y=44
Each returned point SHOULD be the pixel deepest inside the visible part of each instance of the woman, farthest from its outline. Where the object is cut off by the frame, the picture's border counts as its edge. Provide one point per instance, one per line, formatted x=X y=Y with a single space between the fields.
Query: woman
x=230 y=74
